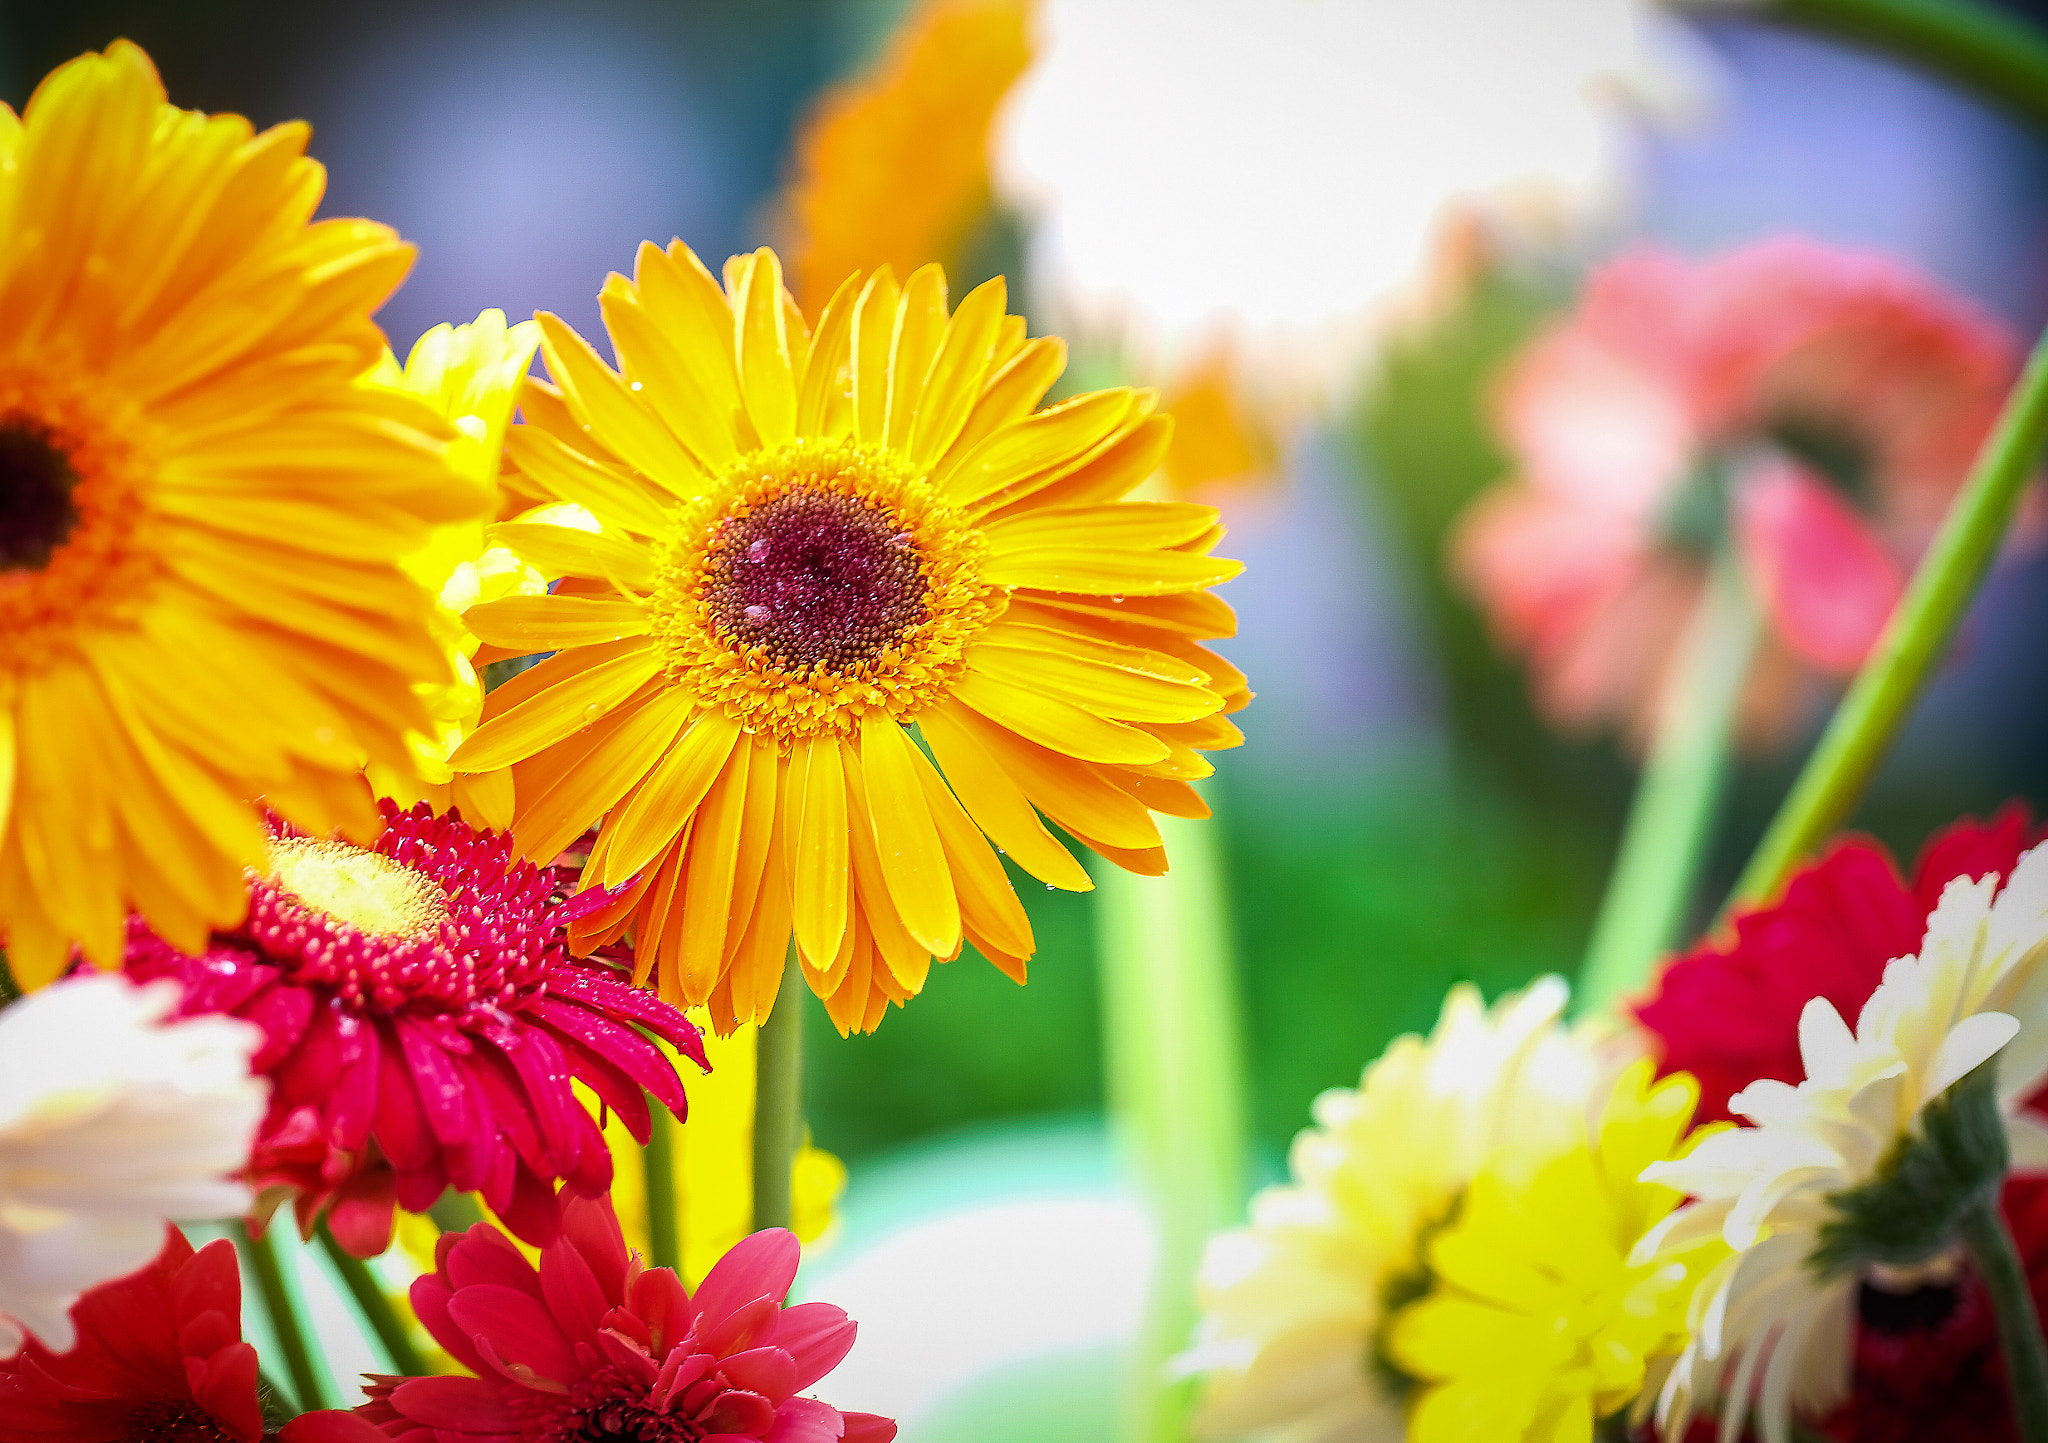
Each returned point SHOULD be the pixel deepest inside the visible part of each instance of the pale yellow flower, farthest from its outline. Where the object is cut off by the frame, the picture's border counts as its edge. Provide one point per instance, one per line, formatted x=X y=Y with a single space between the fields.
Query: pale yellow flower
x=471 y=375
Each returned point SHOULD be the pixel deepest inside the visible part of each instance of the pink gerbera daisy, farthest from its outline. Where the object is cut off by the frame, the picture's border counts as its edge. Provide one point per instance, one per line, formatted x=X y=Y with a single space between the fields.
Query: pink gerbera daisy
x=1820 y=405
x=423 y=1022
x=595 y=1345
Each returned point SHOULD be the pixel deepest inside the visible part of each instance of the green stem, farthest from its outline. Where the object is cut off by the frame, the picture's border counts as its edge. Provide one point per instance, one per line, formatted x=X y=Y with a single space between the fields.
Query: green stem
x=374 y=1305
x=2019 y=1327
x=309 y=1385
x=658 y=1165
x=1998 y=57
x=277 y=1405
x=1664 y=845
x=1175 y=1081
x=779 y=1098
x=1913 y=640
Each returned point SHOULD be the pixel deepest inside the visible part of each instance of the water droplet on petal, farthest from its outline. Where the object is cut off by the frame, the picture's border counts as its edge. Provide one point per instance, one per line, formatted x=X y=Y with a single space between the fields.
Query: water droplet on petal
x=759 y=550
x=758 y=614
x=591 y=712
x=636 y=385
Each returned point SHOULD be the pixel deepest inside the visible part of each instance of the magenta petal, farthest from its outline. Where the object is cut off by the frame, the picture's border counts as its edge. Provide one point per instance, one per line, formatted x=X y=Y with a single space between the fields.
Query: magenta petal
x=401 y=1125
x=614 y=1043
x=619 y=999
x=817 y=1336
x=430 y=1297
x=767 y=1371
x=761 y=1266
x=1826 y=580
x=537 y=1060
x=747 y=1326
x=482 y=1255
x=467 y=1404
x=517 y=1327
x=868 y=1428
x=438 y=1085
x=591 y=1227
x=737 y=1411
x=658 y=1300
x=572 y=1291
x=211 y=1282
x=804 y=1420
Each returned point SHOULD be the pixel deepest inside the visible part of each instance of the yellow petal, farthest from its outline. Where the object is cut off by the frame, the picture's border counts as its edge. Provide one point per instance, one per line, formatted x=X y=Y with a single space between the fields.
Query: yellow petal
x=957 y=371
x=615 y=499
x=567 y=551
x=1059 y=725
x=657 y=810
x=1100 y=571
x=920 y=324
x=556 y=712
x=765 y=375
x=819 y=869
x=996 y=803
x=906 y=836
x=604 y=403
x=549 y=623
x=1099 y=687
x=874 y=331
x=824 y=405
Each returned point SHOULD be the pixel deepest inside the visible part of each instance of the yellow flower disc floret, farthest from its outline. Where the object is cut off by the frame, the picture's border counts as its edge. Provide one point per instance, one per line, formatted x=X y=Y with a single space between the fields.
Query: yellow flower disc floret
x=822 y=581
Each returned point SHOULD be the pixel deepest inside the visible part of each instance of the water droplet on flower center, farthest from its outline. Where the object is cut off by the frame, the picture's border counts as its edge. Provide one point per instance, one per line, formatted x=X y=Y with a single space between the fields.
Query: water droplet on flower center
x=37 y=510
x=813 y=577
x=368 y=891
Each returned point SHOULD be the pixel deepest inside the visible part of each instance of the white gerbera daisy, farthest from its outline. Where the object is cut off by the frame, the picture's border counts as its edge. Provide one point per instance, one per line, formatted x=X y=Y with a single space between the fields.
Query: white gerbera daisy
x=1300 y=162
x=1294 y=1305
x=1775 y=1322
x=113 y=1120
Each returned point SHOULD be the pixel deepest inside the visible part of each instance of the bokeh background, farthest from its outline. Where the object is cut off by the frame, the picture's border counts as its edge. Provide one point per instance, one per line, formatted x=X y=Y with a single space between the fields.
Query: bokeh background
x=1399 y=818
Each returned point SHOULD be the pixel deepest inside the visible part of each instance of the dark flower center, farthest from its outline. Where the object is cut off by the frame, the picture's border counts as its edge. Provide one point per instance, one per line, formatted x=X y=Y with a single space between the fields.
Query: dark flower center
x=173 y=1420
x=1828 y=449
x=37 y=512
x=1915 y=1310
x=816 y=578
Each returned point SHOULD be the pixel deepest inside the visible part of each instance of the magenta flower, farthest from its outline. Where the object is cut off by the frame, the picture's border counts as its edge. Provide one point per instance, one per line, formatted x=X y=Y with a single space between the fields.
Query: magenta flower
x=1819 y=406
x=595 y=1345
x=423 y=1022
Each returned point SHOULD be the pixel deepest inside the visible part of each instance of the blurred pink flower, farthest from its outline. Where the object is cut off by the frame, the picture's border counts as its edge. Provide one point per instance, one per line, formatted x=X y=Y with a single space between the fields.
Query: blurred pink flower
x=1824 y=405
x=594 y=1344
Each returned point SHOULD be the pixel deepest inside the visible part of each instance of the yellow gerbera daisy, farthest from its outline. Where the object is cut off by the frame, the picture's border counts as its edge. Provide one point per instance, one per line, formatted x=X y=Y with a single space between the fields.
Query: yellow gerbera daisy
x=201 y=512
x=1537 y=1323
x=470 y=374
x=810 y=542
x=892 y=167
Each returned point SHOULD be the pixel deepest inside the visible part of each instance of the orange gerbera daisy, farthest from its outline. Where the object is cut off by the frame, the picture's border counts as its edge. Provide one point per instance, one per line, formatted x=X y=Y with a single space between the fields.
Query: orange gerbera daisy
x=892 y=166
x=809 y=544
x=201 y=512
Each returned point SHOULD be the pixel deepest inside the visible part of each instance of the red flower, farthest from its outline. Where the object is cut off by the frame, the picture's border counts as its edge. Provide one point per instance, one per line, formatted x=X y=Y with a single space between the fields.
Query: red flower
x=1821 y=405
x=594 y=1345
x=424 y=1021
x=1928 y=1367
x=160 y=1357
x=1728 y=1011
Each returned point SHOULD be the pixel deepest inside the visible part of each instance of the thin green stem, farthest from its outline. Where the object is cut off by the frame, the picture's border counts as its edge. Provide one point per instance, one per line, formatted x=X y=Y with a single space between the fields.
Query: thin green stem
x=455 y=1212
x=374 y=1305
x=278 y=1406
x=1994 y=55
x=1678 y=797
x=658 y=1165
x=309 y=1383
x=2019 y=1327
x=779 y=1098
x=1172 y=1041
x=1913 y=641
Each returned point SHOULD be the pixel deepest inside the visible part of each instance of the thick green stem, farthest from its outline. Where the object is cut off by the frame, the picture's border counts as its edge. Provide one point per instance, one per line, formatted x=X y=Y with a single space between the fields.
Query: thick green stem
x=1678 y=797
x=309 y=1381
x=1996 y=56
x=1171 y=1038
x=658 y=1165
x=779 y=1099
x=375 y=1307
x=2019 y=1327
